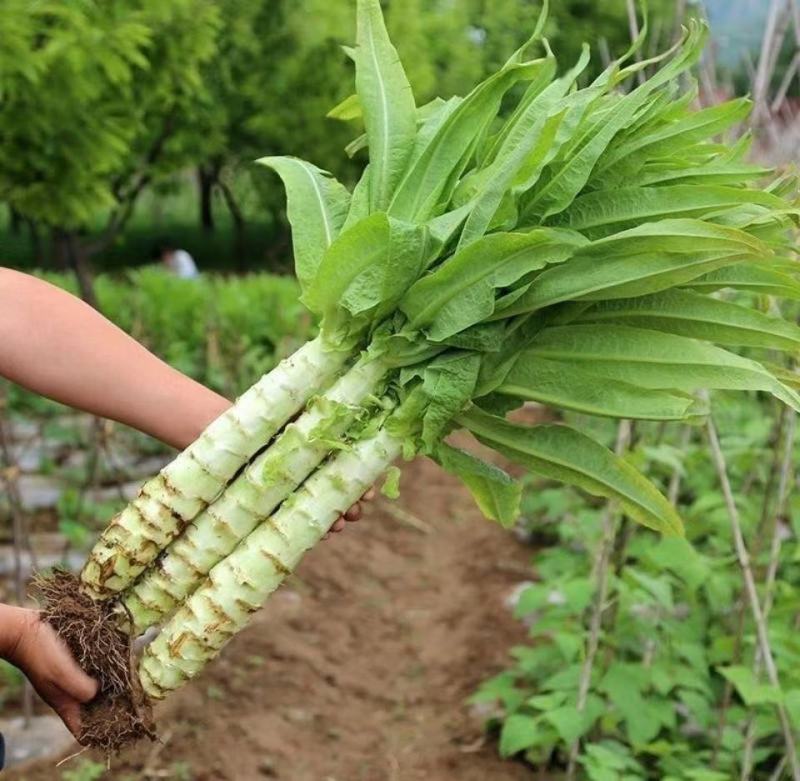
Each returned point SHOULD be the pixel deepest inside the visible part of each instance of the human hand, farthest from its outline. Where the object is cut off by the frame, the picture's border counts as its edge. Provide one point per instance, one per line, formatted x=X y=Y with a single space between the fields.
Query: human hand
x=39 y=652
x=353 y=514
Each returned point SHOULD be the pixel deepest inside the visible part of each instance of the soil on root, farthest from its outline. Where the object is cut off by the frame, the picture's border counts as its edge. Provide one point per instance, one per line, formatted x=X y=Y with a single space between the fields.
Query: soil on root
x=360 y=667
x=120 y=714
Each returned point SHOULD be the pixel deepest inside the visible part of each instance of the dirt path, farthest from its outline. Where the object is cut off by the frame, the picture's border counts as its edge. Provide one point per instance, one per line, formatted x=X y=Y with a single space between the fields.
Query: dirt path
x=358 y=669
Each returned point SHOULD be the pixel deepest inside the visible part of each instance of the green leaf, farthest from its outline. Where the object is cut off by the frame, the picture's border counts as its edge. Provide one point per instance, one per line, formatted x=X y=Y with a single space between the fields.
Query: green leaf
x=390 y=114
x=431 y=178
x=461 y=292
x=515 y=170
x=751 y=278
x=356 y=250
x=317 y=208
x=496 y=493
x=569 y=722
x=651 y=359
x=540 y=81
x=647 y=259
x=563 y=454
x=391 y=485
x=570 y=179
x=379 y=286
x=449 y=383
x=748 y=687
x=697 y=126
x=714 y=172
x=603 y=208
x=349 y=109
x=680 y=556
x=698 y=316
x=519 y=732
x=573 y=386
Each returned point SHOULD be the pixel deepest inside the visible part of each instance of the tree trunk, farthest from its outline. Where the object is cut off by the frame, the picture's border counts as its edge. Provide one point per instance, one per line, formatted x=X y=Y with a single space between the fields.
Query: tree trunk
x=239 y=227
x=14 y=221
x=206 y=178
x=69 y=254
x=37 y=247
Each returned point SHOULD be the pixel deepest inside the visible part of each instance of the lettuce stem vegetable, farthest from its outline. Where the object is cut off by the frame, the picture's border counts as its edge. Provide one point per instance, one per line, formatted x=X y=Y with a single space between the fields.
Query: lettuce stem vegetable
x=566 y=251
x=194 y=479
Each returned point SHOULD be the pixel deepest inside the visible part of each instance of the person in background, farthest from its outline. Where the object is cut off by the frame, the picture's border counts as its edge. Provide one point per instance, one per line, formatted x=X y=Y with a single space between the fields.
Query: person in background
x=178 y=261
x=57 y=346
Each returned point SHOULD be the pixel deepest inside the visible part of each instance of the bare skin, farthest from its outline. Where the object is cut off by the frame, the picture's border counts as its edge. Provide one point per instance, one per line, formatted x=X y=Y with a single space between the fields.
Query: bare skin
x=36 y=649
x=57 y=346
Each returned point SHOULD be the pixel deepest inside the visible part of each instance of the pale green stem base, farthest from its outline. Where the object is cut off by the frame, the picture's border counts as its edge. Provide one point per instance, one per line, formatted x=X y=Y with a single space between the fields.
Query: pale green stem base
x=250 y=499
x=168 y=501
x=239 y=585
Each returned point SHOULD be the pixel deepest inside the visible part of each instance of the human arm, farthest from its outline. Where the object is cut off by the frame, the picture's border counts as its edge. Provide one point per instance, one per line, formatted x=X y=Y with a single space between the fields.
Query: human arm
x=57 y=346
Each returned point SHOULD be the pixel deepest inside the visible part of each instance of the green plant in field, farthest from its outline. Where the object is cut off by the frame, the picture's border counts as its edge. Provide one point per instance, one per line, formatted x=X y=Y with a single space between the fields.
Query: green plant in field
x=87 y=770
x=564 y=253
x=673 y=687
x=11 y=683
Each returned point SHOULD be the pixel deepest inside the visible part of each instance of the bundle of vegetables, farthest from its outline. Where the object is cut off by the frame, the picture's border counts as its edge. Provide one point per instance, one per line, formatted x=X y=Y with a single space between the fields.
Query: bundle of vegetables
x=567 y=253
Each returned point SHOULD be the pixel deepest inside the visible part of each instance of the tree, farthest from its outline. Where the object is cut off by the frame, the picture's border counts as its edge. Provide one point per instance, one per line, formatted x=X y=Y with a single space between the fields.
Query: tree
x=96 y=105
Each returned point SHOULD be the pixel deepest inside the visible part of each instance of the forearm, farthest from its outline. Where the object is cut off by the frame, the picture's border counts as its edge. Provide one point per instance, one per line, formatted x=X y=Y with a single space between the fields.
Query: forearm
x=55 y=345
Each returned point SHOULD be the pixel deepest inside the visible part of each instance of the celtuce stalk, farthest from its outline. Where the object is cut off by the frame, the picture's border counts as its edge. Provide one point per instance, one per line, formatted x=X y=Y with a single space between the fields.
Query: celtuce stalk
x=169 y=501
x=263 y=485
x=476 y=266
x=238 y=585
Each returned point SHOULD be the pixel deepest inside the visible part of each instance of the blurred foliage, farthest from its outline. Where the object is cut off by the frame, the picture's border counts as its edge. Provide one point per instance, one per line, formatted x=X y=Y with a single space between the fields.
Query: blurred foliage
x=94 y=96
x=672 y=690
x=103 y=100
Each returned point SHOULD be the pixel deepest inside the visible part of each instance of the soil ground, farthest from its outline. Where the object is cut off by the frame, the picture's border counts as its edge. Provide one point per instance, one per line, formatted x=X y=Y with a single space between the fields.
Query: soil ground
x=359 y=668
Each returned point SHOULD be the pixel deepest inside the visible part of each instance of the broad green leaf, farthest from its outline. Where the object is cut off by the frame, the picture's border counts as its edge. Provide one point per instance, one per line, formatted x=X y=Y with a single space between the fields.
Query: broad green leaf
x=751 y=278
x=652 y=359
x=356 y=249
x=390 y=114
x=700 y=317
x=431 y=178
x=449 y=383
x=640 y=204
x=519 y=732
x=563 y=454
x=677 y=235
x=748 y=686
x=574 y=386
x=317 y=206
x=496 y=493
x=646 y=259
x=349 y=109
x=696 y=126
x=380 y=285
x=569 y=722
x=462 y=291
x=710 y=173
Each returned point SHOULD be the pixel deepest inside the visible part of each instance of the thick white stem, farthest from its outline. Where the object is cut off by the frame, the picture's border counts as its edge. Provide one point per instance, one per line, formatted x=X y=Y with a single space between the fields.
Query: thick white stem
x=171 y=499
x=252 y=498
x=239 y=585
